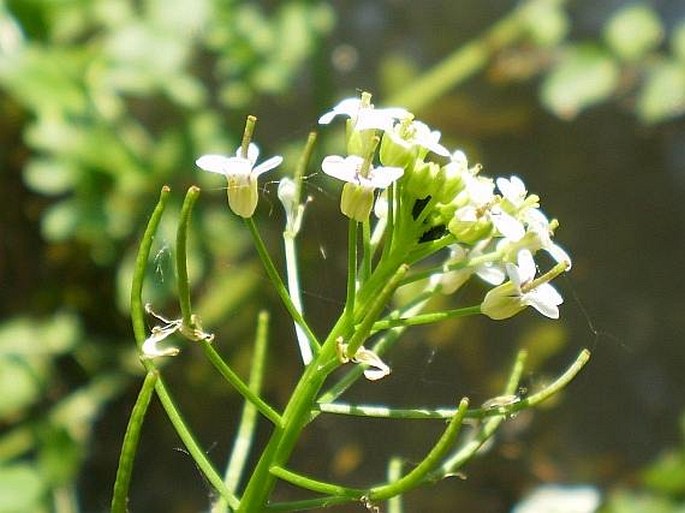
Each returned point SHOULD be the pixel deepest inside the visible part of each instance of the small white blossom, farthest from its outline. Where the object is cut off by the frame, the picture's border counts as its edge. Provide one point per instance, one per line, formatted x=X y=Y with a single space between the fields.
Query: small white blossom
x=376 y=368
x=363 y=115
x=513 y=190
x=242 y=174
x=151 y=348
x=513 y=296
x=416 y=133
x=489 y=272
x=357 y=196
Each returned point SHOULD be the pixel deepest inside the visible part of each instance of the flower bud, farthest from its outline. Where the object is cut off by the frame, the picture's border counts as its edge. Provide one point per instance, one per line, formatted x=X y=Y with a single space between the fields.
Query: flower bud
x=422 y=181
x=356 y=201
x=242 y=195
x=395 y=151
x=502 y=302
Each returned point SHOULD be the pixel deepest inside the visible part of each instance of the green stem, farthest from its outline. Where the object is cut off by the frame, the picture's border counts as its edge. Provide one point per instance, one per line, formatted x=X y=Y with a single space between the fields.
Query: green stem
x=293 y=222
x=248 y=420
x=278 y=283
x=183 y=283
x=394 y=473
x=315 y=485
x=351 y=269
x=308 y=504
x=465 y=61
x=428 y=318
x=130 y=444
x=509 y=409
x=295 y=416
x=374 y=310
x=418 y=473
x=196 y=452
x=239 y=384
x=137 y=308
x=488 y=429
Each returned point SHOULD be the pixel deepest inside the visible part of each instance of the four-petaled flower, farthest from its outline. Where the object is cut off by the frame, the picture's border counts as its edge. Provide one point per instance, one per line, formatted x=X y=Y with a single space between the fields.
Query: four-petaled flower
x=363 y=115
x=241 y=173
x=511 y=297
x=362 y=179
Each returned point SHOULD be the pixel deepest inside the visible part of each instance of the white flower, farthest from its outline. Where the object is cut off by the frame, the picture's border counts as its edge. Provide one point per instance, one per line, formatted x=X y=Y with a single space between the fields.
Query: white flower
x=363 y=115
x=513 y=296
x=376 y=368
x=513 y=190
x=362 y=179
x=241 y=173
x=150 y=347
x=407 y=134
x=489 y=272
x=541 y=228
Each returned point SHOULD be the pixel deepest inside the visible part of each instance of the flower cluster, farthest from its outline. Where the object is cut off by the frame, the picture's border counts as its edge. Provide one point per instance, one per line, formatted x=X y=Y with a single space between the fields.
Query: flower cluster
x=429 y=199
x=492 y=227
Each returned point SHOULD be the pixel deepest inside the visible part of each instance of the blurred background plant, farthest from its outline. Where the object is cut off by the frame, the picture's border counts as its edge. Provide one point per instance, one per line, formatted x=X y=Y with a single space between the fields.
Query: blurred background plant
x=103 y=101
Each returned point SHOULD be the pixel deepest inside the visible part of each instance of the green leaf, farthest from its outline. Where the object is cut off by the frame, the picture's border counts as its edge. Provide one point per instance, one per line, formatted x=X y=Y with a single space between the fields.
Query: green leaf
x=585 y=76
x=50 y=177
x=629 y=502
x=60 y=221
x=21 y=489
x=20 y=384
x=667 y=474
x=548 y=23
x=678 y=42
x=663 y=93
x=633 y=31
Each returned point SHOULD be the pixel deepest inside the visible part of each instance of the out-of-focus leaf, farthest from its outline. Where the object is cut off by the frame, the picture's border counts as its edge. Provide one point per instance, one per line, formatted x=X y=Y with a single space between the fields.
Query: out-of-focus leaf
x=633 y=31
x=20 y=384
x=43 y=78
x=21 y=489
x=663 y=93
x=60 y=456
x=547 y=23
x=667 y=474
x=50 y=177
x=630 y=502
x=678 y=42
x=28 y=337
x=60 y=221
x=585 y=75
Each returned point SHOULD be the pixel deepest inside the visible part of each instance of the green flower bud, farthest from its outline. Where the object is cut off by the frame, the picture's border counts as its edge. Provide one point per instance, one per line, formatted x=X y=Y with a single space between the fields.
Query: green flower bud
x=396 y=151
x=423 y=181
x=470 y=231
x=356 y=201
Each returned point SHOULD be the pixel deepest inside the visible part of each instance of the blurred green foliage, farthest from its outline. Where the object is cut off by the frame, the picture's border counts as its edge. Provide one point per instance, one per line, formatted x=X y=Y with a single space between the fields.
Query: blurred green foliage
x=114 y=99
x=662 y=485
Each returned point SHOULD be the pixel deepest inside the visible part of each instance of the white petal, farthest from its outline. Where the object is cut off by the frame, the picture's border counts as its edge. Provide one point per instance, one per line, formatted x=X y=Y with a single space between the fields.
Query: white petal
x=507 y=225
x=513 y=189
x=267 y=165
x=150 y=347
x=381 y=177
x=558 y=254
x=491 y=274
x=345 y=169
x=545 y=299
x=377 y=368
x=349 y=107
x=214 y=163
x=526 y=266
x=233 y=166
